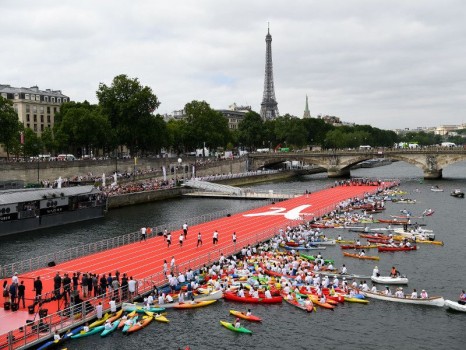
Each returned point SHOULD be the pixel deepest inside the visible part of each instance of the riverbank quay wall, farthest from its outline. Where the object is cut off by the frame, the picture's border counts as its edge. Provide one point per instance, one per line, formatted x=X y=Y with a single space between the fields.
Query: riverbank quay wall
x=31 y=172
x=252 y=227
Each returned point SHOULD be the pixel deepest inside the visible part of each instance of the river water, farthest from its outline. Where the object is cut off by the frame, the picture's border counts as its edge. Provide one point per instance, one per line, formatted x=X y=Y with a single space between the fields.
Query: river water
x=378 y=325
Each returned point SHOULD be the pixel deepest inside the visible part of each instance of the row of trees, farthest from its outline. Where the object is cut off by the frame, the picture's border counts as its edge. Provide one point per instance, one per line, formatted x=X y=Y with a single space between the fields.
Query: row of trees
x=125 y=116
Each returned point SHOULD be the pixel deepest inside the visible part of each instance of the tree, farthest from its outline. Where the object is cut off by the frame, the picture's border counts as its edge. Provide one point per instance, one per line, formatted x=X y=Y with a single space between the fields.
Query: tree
x=32 y=146
x=10 y=126
x=177 y=135
x=48 y=141
x=289 y=130
x=251 y=131
x=205 y=125
x=129 y=107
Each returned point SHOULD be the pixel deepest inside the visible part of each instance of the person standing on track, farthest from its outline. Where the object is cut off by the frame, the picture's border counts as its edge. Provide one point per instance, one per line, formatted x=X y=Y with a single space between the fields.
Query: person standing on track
x=143 y=234
x=199 y=239
x=215 y=237
x=172 y=266
x=234 y=237
x=169 y=239
x=165 y=268
x=21 y=290
x=38 y=287
x=181 y=239
x=185 y=229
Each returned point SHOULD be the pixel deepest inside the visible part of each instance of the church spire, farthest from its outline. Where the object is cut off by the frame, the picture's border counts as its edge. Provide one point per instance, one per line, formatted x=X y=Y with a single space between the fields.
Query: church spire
x=307 y=113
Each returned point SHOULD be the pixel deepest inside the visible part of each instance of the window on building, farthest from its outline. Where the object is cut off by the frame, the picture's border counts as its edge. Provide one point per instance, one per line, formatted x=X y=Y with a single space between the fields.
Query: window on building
x=52 y=99
x=59 y=99
x=28 y=108
x=41 y=118
x=35 y=118
x=65 y=100
x=34 y=109
x=28 y=125
x=48 y=119
x=48 y=126
x=37 y=97
x=27 y=117
x=41 y=108
x=16 y=96
x=42 y=127
x=48 y=109
x=26 y=96
x=35 y=127
x=46 y=98
x=54 y=110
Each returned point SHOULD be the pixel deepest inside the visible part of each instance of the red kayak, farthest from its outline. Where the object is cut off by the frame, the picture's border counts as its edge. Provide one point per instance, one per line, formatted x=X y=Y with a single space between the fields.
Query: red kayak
x=355 y=246
x=393 y=222
x=395 y=249
x=233 y=297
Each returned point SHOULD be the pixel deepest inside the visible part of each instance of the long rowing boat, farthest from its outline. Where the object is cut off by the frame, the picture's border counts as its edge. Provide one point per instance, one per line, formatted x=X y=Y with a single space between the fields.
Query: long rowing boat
x=431 y=301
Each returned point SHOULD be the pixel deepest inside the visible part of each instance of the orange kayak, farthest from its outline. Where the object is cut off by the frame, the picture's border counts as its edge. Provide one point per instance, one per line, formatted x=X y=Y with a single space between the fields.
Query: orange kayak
x=139 y=325
x=189 y=305
x=357 y=256
x=244 y=316
x=326 y=305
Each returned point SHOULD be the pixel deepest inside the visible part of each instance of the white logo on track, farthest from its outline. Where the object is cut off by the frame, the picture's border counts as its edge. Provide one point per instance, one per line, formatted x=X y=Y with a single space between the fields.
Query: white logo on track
x=292 y=214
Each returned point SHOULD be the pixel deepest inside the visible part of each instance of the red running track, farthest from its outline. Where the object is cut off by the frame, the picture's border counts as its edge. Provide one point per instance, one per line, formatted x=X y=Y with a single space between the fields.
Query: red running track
x=143 y=259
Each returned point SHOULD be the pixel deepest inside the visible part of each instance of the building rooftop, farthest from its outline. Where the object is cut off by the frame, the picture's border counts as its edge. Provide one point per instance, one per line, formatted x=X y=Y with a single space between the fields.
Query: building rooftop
x=32 y=90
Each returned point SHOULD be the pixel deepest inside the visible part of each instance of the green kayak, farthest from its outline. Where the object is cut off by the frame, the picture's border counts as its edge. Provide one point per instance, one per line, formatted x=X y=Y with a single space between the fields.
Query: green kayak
x=312 y=258
x=91 y=331
x=231 y=327
x=108 y=331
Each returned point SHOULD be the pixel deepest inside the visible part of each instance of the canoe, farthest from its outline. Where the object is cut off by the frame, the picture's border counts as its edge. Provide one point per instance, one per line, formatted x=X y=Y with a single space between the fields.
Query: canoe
x=299 y=305
x=431 y=301
x=231 y=327
x=366 y=257
x=190 y=305
x=108 y=331
x=82 y=334
x=389 y=280
x=234 y=297
x=454 y=305
x=245 y=317
x=140 y=325
x=395 y=249
x=54 y=343
x=99 y=322
x=161 y=318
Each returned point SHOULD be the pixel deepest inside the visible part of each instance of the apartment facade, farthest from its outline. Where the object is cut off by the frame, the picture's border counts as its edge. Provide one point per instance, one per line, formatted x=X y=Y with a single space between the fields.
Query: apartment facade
x=36 y=108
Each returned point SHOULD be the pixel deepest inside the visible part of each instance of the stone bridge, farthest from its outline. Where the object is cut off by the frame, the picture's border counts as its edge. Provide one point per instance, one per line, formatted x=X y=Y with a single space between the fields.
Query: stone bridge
x=338 y=162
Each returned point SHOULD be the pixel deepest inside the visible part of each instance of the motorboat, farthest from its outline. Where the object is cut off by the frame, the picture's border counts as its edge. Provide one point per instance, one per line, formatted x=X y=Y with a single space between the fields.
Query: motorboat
x=457 y=193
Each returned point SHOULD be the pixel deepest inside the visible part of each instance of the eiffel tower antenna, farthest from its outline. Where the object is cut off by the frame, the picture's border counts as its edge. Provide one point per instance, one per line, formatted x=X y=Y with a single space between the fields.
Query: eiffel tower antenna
x=269 y=109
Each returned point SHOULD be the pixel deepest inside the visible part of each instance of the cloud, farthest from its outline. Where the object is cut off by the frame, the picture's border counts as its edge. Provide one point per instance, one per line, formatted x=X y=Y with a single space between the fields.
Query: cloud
x=389 y=64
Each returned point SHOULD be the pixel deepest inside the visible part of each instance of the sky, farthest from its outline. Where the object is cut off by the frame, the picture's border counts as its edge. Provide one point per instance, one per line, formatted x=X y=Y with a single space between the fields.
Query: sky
x=391 y=64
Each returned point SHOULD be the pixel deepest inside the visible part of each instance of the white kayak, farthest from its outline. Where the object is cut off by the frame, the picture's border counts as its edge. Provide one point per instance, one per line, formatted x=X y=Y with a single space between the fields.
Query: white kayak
x=389 y=280
x=329 y=242
x=454 y=305
x=431 y=301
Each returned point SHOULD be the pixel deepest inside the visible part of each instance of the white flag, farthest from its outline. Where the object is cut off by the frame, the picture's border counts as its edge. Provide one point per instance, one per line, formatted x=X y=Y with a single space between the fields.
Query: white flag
x=164 y=173
x=194 y=172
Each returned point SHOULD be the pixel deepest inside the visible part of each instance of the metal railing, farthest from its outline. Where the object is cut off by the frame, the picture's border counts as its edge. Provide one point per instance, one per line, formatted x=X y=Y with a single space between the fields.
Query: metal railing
x=37 y=331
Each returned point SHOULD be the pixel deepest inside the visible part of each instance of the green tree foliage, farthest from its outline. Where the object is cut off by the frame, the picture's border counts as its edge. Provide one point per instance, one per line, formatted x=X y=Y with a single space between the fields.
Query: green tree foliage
x=178 y=135
x=251 y=133
x=205 y=125
x=32 y=144
x=9 y=125
x=48 y=141
x=316 y=130
x=290 y=131
x=82 y=125
x=422 y=138
x=129 y=107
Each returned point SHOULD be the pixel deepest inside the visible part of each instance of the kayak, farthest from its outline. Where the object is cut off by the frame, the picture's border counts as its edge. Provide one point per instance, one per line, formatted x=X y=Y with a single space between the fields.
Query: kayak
x=312 y=258
x=53 y=343
x=100 y=322
x=116 y=316
x=134 y=320
x=395 y=249
x=140 y=325
x=367 y=257
x=108 y=331
x=190 y=305
x=244 y=316
x=326 y=305
x=356 y=300
x=161 y=318
x=231 y=327
x=234 y=297
x=140 y=309
x=355 y=246
x=129 y=316
x=94 y=330
x=299 y=305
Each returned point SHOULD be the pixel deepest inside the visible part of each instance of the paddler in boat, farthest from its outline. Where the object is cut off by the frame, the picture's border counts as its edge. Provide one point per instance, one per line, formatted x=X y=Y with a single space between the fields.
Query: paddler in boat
x=249 y=313
x=344 y=270
x=414 y=294
x=56 y=336
x=86 y=327
x=237 y=323
x=424 y=294
x=108 y=325
x=399 y=293
x=375 y=272
x=387 y=291
x=362 y=253
x=394 y=272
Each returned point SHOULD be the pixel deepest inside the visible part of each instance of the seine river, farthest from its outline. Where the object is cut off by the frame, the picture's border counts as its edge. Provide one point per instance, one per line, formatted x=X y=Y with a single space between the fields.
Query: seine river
x=378 y=325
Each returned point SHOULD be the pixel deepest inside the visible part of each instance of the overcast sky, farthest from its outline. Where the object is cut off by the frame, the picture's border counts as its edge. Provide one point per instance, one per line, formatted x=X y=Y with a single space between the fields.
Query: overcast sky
x=391 y=64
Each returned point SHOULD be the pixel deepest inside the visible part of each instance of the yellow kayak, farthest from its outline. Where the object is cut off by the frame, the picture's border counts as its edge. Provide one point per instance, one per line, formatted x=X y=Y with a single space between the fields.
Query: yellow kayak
x=356 y=300
x=100 y=322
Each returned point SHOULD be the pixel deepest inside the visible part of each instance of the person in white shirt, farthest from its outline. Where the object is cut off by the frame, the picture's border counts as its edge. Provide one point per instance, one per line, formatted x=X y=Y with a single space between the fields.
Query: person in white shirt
x=234 y=237
x=185 y=230
x=414 y=294
x=15 y=279
x=172 y=265
x=99 y=310
x=169 y=298
x=181 y=278
x=108 y=325
x=387 y=291
x=181 y=239
x=143 y=234
x=56 y=336
x=131 y=286
x=248 y=313
x=374 y=289
x=161 y=299
x=241 y=293
x=424 y=294
x=344 y=270
x=375 y=272
x=215 y=237
x=267 y=294
x=112 y=304
x=181 y=297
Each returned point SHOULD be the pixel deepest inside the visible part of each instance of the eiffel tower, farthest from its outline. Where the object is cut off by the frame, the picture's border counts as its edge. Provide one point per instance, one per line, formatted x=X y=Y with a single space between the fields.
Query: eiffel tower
x=269 y=109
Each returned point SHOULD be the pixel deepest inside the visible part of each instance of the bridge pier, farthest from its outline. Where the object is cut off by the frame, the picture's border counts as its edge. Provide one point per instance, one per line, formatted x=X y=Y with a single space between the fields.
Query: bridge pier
x=433 y=174
x=335 y=172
